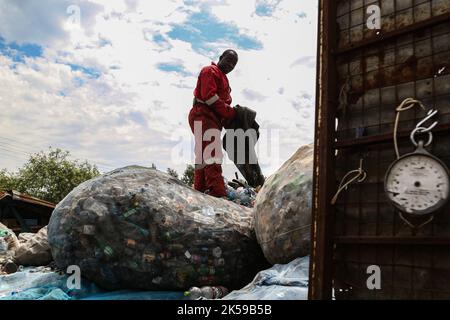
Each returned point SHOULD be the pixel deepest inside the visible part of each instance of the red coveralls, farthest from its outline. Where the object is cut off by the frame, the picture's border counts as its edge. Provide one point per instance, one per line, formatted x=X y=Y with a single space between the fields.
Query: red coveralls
x=214 y=112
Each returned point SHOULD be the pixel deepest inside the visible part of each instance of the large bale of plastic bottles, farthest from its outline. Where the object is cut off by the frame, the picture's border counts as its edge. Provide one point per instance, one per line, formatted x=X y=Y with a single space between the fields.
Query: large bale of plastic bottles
x=283 y=209
x=141 y=228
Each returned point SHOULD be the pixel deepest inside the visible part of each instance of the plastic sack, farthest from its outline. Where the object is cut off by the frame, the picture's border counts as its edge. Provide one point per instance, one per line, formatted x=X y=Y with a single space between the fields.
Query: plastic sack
x=27 y=279
x=281 y=282
x=9 y=237
x=42 y=284
x=140 y=228
x=35 y=251
x=43 y=293
x=3 y=246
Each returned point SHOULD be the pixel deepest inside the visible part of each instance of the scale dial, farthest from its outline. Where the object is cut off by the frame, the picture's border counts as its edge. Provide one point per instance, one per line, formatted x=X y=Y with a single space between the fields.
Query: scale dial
x=418 y=184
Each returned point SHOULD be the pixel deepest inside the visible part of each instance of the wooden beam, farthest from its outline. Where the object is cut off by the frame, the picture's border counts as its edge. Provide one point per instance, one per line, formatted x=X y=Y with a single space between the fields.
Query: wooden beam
x=320 y=273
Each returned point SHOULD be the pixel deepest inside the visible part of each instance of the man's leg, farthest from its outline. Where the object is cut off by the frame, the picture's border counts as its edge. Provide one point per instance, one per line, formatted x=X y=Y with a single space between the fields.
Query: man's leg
x=196 y=122
x=208 y=156
x=215 y=185
x=199 y=180
x=212 y=155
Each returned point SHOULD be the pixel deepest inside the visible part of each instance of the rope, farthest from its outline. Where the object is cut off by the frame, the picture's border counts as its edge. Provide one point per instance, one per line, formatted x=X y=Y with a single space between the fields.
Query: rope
x=284 y=234
x=412 y=226
x=407 y=104
x=360 y=177
x=343 y=96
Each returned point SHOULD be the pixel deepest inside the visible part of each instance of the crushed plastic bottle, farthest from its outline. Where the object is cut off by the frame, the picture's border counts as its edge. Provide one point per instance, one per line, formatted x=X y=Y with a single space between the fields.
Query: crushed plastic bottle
x=243 y=196
x=207 y=292
x=4 y=233
x=3 y=245
x=231 y=194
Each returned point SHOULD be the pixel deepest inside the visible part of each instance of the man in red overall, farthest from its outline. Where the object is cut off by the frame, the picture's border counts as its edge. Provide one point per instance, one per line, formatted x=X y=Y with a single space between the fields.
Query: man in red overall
x=211 y=110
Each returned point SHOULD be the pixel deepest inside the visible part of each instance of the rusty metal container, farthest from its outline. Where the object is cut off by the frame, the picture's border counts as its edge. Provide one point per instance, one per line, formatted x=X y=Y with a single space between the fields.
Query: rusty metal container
x=363 y=75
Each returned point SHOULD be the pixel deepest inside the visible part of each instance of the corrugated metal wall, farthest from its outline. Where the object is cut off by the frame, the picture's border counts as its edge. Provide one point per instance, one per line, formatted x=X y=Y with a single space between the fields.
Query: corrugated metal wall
x=363 y=75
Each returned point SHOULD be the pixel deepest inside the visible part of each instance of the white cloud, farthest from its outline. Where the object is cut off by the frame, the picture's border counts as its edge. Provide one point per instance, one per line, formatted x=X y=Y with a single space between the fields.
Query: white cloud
x=253 y=95
x=129 y=112
x=43 y=22
x=308 y=61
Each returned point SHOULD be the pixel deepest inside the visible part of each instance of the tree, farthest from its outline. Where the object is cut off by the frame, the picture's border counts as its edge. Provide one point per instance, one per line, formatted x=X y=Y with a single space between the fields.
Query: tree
x=172 y=172
x=188 y=175
x=49 y=176
x=7 y=180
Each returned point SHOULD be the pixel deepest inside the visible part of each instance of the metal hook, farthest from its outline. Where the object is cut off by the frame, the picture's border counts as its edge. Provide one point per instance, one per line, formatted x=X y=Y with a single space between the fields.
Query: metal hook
x=431 y=113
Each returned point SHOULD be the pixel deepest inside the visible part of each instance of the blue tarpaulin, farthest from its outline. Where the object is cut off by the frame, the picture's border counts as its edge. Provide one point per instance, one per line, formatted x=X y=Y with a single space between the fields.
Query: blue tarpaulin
x=36 y=284
x=281 y=282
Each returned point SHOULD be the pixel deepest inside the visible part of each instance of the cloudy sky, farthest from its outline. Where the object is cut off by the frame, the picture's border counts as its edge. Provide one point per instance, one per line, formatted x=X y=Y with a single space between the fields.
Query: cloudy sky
x=112 y=80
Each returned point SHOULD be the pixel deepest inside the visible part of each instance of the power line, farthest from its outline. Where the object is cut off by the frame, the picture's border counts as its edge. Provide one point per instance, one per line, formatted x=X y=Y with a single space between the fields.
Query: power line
x=14 y=143
x=16 y=156
x=17 y=141
x=14 y=148
x=23 y=157
x=28 y=152
x=13 y=151
x=13 y=155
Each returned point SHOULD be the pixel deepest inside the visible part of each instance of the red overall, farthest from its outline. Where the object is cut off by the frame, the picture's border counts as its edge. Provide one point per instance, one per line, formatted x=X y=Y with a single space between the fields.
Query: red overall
x=211 y=110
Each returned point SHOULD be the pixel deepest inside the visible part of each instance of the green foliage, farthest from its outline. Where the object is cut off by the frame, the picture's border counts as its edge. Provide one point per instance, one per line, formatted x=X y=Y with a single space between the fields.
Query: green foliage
x=7 y=180
x=49 y=176
x=188 y=175
x=172 y=172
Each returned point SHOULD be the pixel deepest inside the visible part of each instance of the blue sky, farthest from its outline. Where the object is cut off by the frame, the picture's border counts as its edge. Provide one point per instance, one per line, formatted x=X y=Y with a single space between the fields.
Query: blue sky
x=17 y=52
x=114 y=84
x=176 y=67
x=266 y=8
x=202 y=28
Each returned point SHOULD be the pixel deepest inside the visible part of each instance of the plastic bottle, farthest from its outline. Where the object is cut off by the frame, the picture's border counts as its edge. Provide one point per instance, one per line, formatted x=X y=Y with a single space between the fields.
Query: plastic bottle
x=3 y=233
x=10 y=267
x=215 y=292
x=231 y=194
x=3 y=245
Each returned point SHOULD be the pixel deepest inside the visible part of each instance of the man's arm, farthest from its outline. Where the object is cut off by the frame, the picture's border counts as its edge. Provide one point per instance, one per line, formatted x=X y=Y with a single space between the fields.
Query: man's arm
x=208 y=87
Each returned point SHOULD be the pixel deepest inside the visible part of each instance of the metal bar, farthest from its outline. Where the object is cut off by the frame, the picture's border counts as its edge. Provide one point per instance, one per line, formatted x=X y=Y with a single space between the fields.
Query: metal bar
x=388 y=240
x=433 y=249
x=433 y=83
x=324 y=177
x=382 y=138
x=383 y=37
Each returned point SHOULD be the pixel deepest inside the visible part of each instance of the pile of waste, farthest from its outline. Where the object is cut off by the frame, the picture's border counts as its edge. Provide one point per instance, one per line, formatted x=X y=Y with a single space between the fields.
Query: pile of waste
x=140 y=228
x=206 y=293
x=8 y=244
x=240 y=192
x=283 y=209
x=27 y=249
x=136 y=229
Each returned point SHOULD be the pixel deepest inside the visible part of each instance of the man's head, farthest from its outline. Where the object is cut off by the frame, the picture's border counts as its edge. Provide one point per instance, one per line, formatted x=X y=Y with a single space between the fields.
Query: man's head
x=228 y=61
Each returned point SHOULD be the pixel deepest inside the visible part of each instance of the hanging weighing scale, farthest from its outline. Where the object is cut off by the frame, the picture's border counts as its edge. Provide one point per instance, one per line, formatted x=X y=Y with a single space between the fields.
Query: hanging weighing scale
x=418 y=183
